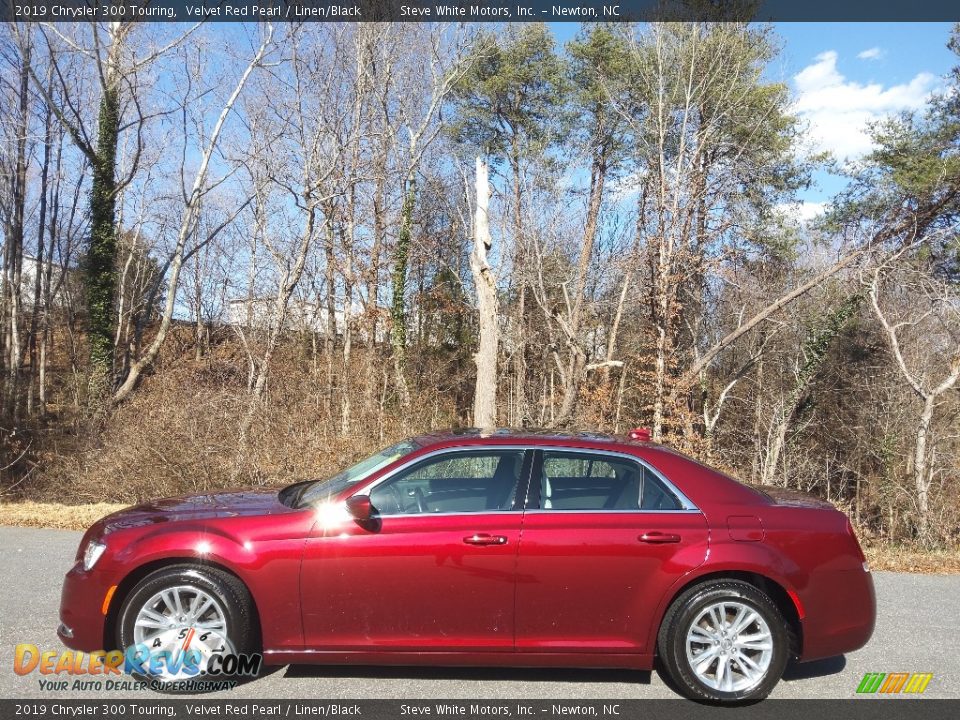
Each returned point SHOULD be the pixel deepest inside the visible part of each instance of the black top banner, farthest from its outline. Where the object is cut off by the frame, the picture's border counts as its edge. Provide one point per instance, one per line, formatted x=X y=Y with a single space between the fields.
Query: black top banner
x=478 y=10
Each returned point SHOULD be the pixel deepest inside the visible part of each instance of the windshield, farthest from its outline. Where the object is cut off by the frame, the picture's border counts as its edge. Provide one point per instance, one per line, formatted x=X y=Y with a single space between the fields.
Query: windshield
x=324 y=489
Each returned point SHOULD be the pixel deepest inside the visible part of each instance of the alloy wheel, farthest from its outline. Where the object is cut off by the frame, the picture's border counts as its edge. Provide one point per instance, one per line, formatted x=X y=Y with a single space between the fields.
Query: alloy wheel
x=729 y=646
x=179 y=620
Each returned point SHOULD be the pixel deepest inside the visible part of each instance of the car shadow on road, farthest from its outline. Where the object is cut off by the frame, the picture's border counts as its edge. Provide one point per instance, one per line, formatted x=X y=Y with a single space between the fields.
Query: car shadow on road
x=815 y=669
x=794 y=671
x=552 y=675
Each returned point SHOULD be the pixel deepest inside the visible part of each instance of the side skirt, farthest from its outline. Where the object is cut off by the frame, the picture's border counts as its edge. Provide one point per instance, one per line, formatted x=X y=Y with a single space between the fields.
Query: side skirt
x=632 y=661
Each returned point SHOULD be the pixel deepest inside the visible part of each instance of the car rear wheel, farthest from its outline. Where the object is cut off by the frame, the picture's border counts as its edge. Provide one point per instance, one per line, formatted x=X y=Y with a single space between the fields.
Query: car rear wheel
x=724 y=641
x=179 y=618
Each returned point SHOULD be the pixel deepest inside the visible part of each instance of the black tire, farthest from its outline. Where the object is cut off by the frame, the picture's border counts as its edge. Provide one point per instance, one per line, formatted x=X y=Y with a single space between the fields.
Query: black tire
x=671 y=641
x=230 y=592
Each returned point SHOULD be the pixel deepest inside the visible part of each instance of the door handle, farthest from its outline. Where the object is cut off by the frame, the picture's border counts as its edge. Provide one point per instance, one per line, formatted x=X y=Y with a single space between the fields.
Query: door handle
x=485 y=539
x=658 y=538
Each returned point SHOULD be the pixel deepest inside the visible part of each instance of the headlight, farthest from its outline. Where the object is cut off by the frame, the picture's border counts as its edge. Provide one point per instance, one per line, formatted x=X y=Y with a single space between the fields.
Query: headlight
x=92 y=554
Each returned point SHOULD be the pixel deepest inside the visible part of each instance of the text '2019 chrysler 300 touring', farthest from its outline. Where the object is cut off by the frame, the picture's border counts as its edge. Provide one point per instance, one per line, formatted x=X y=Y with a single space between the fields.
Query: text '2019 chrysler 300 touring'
x=509 y=548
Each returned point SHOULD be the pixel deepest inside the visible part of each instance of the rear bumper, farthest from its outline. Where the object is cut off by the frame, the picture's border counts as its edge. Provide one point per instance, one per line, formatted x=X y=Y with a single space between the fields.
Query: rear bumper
x=840 y=608
x=81 y=604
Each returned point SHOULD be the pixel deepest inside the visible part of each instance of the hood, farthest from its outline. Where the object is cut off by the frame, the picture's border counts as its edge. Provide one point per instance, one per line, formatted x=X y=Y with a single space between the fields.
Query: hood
x=794 y=498
x=195 y=507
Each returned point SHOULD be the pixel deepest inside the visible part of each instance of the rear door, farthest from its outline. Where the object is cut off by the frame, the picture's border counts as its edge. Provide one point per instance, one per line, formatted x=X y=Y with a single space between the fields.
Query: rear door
x=604 y=536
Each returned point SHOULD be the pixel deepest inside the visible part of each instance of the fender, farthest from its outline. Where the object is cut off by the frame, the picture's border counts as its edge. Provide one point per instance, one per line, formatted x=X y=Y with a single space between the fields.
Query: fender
x=728 y=556
x=267 y=568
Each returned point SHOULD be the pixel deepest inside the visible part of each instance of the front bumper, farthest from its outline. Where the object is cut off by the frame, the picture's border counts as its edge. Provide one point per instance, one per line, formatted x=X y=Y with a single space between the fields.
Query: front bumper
x=82 y=621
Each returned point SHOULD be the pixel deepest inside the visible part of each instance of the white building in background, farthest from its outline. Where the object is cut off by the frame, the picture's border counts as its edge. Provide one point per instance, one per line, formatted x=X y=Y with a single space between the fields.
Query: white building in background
x=302 y=316
x=259 y=313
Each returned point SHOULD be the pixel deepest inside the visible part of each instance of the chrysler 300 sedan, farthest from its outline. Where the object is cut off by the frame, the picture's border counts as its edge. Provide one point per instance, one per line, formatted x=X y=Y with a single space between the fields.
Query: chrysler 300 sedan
x=500 y=548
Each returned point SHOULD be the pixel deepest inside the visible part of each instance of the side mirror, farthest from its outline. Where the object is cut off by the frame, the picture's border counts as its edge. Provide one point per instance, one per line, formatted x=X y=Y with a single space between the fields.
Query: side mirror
x=360 y=508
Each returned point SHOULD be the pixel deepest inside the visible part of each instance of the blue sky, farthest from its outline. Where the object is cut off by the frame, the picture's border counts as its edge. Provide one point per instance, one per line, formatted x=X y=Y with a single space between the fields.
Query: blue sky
x=843 y=75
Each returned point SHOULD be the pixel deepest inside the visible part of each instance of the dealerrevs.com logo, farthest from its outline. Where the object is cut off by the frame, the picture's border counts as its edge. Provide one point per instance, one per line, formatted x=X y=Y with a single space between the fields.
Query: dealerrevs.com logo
x=198 y=669
x=894 y=683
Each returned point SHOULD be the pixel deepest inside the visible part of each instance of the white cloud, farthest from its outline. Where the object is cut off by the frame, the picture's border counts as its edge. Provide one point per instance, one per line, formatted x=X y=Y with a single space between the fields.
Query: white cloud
x=807 y=211
x=838 y=110
x=802 y=212
x=873 y=53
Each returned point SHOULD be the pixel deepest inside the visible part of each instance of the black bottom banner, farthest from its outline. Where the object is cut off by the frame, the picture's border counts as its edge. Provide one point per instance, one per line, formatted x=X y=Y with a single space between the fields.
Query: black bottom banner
x=853 y=709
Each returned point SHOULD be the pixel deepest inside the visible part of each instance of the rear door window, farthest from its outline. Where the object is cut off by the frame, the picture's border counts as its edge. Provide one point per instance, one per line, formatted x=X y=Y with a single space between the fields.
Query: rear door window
x=597 y=482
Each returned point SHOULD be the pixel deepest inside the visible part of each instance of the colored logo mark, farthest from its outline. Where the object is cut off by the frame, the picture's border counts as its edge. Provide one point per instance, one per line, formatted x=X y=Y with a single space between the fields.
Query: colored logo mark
x=893 y=683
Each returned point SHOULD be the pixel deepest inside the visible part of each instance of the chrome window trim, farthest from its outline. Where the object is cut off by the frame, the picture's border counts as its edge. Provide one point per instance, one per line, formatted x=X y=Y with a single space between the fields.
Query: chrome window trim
x=687 y=505
x=465 y=513
x=638 y=511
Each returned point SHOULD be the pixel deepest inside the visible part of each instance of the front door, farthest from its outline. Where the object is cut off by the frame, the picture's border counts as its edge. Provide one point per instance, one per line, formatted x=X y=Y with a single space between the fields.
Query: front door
x=434 y=572
x=601 y=544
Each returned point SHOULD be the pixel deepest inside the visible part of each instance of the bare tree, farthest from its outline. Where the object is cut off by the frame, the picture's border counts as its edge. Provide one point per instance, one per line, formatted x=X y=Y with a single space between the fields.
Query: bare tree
x=446 y=49
x=485 y=395
x=188 y=222
x=14 y=230
x=108 y=50
x=311 y=127
x=921 y=321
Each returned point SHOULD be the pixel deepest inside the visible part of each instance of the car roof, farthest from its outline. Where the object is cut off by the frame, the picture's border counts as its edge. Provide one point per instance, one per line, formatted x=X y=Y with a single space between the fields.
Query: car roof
x=701 y=483
x=524 y=436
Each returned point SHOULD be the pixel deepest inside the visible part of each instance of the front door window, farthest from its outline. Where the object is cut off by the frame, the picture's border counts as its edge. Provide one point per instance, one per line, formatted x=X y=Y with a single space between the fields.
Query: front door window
x=460 y=482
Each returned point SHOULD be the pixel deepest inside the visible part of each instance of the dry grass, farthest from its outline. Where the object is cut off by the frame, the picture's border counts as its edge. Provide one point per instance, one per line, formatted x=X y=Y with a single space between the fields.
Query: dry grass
x=902 y=559
x=180 y=433
x=54 y=515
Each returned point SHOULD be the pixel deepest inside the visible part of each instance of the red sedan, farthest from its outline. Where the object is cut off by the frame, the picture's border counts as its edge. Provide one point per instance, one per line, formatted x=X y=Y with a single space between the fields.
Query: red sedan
x=510 y=548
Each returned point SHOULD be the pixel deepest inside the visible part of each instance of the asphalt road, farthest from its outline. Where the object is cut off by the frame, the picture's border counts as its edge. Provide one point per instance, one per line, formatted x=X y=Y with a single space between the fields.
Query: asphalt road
x=916 y=632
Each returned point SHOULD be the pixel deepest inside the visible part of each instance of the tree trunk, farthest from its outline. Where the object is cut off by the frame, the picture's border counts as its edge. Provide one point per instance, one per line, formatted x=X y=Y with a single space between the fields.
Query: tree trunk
x=15 y=240
x=345 y=405
x=661 y=310
x=47 y=285
x=39 y=306
x=776 y=438
x=921 y=476
x=330 y=326
x=577 y=360
x=401 y=255
x=814 y=353
x=521 y=405
x=485 y=393
x=288 y=283
x=100 y=276
x=373 y=277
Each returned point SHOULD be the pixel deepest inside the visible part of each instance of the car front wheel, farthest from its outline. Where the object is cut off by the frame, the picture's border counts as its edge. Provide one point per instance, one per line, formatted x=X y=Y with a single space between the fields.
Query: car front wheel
x=724 y=641
x=179 y=618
